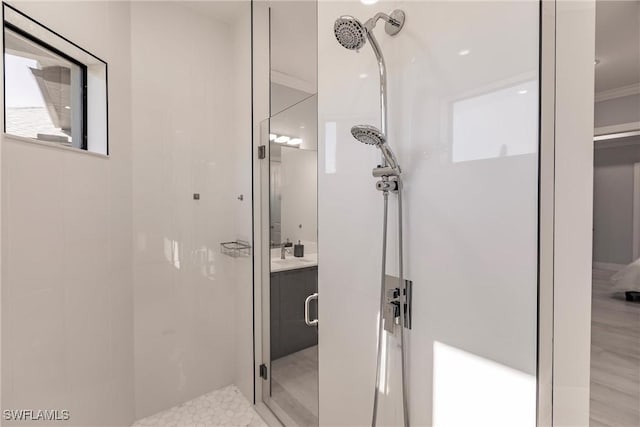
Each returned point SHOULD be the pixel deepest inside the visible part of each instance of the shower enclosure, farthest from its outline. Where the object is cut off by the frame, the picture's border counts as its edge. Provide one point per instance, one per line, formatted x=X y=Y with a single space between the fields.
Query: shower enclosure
x=471 y=102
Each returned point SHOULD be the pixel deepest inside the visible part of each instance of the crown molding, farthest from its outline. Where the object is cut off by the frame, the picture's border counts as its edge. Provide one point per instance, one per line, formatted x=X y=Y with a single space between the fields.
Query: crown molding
x=618 y=92
x=619 y=128
x=292 y=82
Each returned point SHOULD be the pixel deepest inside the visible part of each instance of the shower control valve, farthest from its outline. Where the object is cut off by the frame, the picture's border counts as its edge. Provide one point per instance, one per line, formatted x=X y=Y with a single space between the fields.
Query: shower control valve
x=397 y=296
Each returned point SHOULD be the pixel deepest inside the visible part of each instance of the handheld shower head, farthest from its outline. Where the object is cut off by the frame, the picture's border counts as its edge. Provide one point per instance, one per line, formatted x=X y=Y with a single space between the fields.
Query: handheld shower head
x=371 y=135
x=368 y=135
x=350 y=32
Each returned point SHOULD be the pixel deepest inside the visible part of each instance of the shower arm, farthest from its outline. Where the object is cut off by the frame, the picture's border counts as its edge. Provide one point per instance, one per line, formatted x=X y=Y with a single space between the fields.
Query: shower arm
x=371 y=22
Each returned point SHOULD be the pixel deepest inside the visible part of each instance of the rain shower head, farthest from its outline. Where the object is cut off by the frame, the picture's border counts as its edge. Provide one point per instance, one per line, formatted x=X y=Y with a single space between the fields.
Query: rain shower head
x=371 y=135
x=350 y=32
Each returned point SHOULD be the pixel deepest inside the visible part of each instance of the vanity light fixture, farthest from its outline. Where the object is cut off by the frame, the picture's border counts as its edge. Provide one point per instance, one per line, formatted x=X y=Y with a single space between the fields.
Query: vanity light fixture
x=464 y=52
x=284 y=139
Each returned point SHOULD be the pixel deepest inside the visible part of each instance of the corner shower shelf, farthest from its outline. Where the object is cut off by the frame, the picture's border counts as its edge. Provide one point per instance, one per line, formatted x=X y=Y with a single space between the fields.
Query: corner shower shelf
x=235 y=249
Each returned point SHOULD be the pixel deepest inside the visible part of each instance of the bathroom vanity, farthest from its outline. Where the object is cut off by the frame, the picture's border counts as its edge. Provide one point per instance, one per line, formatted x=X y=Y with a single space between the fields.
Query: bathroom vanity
x=289 y=289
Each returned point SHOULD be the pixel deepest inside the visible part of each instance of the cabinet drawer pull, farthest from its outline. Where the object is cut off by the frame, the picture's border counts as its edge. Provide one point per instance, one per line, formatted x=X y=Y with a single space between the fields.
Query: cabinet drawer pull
x=308 y=321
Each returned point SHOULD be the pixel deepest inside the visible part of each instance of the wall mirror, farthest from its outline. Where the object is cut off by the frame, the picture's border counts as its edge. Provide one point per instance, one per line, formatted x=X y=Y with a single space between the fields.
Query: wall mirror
x=293 y=174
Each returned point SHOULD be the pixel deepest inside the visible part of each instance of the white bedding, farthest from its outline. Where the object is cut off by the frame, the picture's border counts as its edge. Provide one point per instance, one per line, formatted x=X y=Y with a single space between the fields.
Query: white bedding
x=628 y=279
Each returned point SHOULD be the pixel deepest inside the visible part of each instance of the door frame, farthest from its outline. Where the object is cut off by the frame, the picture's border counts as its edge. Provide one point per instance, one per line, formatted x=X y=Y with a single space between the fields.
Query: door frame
x=636 y=211
x=546 y=212
x=260 y=93
x=566 y=211
x=262 y=76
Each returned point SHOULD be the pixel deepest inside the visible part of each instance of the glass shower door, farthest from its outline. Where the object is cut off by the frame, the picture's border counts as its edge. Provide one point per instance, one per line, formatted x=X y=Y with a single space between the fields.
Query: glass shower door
x=463 y=121
x=290 y=331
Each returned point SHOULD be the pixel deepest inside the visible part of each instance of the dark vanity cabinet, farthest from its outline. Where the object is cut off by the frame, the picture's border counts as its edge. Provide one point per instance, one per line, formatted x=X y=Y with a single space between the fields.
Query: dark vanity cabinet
x=289 y=332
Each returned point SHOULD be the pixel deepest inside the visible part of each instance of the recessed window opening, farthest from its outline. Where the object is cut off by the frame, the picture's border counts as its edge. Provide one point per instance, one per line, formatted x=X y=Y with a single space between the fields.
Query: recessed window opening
x=54 y=91
x=45 y=91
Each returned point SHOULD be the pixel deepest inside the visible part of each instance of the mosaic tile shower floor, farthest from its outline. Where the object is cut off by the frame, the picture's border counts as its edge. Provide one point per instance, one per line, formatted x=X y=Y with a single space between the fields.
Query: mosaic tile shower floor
x=226 y=407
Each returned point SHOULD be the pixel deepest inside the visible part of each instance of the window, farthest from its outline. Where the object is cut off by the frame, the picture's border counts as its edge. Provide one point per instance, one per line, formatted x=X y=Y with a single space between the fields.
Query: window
x=45 y=95
x=54 y=91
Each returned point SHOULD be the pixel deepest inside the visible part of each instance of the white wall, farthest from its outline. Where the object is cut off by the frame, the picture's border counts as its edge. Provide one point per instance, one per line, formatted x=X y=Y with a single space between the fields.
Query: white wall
x=186 y=141
x=299 y=196
x=613 y=184
x=613 y=204
x=67 y=303
x=617 y=111
x=292 y=60
x=283 y=97
x=470 y=220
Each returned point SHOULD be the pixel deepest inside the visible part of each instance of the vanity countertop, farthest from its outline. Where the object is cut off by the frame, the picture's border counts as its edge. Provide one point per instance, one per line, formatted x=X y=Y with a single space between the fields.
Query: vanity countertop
x=293 y=263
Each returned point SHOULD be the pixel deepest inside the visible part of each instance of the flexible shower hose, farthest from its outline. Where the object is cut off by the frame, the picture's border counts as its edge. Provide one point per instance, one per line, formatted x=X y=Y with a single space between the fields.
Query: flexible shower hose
x=403 y=299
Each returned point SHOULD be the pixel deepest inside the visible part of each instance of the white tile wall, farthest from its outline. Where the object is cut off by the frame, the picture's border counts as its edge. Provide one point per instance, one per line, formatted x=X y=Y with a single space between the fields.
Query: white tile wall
x=187 y=113
x=67 y=303
x=470 y=220
x=70 y=220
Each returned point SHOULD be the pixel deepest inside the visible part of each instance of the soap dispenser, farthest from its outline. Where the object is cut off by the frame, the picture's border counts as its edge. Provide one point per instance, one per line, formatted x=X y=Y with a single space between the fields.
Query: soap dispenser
x=298 y=250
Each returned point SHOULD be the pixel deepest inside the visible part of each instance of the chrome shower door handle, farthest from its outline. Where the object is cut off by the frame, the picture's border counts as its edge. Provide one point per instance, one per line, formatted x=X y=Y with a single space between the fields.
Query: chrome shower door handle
x=308 y=300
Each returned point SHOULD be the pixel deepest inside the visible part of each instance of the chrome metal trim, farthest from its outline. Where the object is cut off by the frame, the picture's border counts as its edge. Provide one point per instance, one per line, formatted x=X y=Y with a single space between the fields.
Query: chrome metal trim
x=382 y=71
x=546 y=208
x=395 y=24
x=307 y=320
